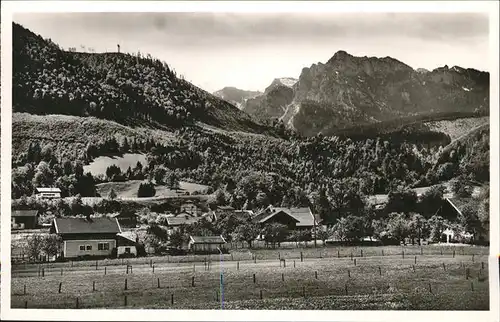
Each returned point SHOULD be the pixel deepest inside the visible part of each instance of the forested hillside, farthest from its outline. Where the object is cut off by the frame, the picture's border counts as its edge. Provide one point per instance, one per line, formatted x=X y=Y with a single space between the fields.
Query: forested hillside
x=129 y=89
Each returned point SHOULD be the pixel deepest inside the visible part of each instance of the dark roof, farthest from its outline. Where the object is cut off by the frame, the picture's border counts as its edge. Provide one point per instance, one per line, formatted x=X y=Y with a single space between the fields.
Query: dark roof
x=207 y=239
x=100 y=225
x=179 y=220
x=24 y=213
x=125 y=214
x=460 y=203
x=125 y=240
x=303 y=216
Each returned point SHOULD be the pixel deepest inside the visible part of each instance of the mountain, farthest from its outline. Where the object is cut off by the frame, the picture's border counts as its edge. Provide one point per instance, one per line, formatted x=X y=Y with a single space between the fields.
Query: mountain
x=272 y=103
x=348 y=91
x=128 y=89
x=236 y=96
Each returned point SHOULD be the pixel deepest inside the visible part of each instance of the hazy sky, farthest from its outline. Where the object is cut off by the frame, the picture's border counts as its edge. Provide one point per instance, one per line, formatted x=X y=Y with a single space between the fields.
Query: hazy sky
x=248 y=51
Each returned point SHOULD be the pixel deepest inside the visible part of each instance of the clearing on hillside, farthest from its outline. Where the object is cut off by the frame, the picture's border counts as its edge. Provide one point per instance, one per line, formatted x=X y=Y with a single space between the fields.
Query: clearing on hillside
x=100 y=164
x=128 y=189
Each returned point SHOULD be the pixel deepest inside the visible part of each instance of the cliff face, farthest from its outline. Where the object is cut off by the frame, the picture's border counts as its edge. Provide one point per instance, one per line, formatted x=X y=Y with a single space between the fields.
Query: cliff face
x=350 y=90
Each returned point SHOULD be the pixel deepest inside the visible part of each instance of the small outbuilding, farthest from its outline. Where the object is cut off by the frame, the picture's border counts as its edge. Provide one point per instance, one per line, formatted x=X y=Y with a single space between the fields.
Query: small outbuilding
x=24 y=219
x=127 y=219
x=126 y=246
x=48 y=193
x=206 y=244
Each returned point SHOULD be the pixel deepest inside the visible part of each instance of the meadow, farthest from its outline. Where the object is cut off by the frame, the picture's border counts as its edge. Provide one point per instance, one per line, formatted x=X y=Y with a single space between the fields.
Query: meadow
x=389 y=277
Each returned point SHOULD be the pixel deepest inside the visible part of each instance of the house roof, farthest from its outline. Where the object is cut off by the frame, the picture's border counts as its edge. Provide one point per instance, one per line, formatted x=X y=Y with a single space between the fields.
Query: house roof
x=179 y=220
x=225 y=208
x=207 y=239
x=302 y=216
x=460 y=203
x=48 y=190
x=125 y=214
x=126 y=238
x=102 y=225
x=24 y=213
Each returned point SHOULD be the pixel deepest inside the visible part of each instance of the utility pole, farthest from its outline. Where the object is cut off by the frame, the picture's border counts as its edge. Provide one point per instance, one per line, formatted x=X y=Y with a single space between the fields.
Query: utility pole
x=118 y=48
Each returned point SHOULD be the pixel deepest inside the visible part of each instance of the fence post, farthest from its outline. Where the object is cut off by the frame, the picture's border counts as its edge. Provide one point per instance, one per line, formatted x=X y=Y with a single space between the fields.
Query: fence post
x=293 y=264
x=126 y=284
x=96 y=265
x=441 y=250
x=217 y=296
x=430 y=288
x=349 y=273
x=473 y=258
x=172 y=299
x=303 y=291
x=413 y=268
x=77 y=304
x=283 y=277
x=279 y=255
x=232 y=257
x=301 y=257
x=43 y=271
x=415 y=259
x=192 y=281
x=379 y=271
x=104 y=270
x=355 y=262
x=255 y=258
x=127 y=268
x=284 y=262
x=153 y=268
x=93 y=286
x=316 y=274
x=453 y=253
x=361 y=253
x=338 y=253
x=421 y=251
x=25 y=304
x=158 y=282
x=194 y=267
x=351 y=255
x=24 y=289
x=125 y=301
x=261 y=294
x=444 y=267
x=346 y=289
x=466 y=273
x=403 y=253
x=382 y=252
x=472 y=286
x=238 y=265
x=254 y=278
x=60 y=285
x=482 y=265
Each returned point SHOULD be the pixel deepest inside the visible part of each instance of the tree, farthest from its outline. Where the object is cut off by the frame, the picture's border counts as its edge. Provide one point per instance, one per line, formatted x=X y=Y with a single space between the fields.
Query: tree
x=146 y=189
x=398 y=227
x=469 y=220
x=247 y=232
x=461 y=188
x=51 y=244
x=34 y=246
x=350 y=228
x=437 y=225
x=431 y=200
x=275 y=233
x=112 y=194
x=322 y=235
x=112 y=172
x=419 y=229
x=177 y=238
x=159 y=175
x=401 y=199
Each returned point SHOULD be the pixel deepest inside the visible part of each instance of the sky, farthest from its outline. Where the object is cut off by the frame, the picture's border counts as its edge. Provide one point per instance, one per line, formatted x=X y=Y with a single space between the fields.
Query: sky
x=249 y=50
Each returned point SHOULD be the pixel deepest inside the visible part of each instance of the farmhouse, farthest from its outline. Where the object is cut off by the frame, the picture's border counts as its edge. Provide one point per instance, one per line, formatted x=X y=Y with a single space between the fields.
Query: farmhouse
x=188 y=207
x=84 y=237
x=451 y=209
x=127 y=219
x=206 y=244
x=173 y=223
x=48 y=193
x=294 y=218
x=24 y=219
x=125 y=246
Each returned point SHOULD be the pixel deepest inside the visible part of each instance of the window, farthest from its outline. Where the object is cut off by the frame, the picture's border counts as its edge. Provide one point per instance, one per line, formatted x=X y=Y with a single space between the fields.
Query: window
x=127 y=250
x=89 y=247
x=82 y=247
x=103 y=246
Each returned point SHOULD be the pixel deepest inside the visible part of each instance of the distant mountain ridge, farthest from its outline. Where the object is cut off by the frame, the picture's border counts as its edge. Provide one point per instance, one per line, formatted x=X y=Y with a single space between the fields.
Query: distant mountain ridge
x=347 y=91
x=236 y=96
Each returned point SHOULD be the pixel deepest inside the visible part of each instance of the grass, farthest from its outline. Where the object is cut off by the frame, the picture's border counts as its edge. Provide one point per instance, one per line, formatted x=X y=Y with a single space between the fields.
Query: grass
x=100 y=164
x=395 y=286
x=128 y=189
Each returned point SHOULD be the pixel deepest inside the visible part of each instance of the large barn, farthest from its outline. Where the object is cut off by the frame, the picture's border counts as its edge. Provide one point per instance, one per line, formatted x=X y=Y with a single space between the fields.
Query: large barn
x=294 y=218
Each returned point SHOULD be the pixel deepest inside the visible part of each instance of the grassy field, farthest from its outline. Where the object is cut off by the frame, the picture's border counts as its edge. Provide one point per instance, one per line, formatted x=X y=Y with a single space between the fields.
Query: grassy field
x=100 y=164
x=373 y=281
x=128 y=189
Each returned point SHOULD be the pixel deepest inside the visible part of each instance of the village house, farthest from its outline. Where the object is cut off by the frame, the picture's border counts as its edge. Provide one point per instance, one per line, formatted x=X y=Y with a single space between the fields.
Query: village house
x=48 y=193
x=127 y=219
x=206 y=244
x=24 y=219
x=451 y=209
x=294 y=218
x=126 y=246
x=188 y=207
x=173 y=223
x=87 y=237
